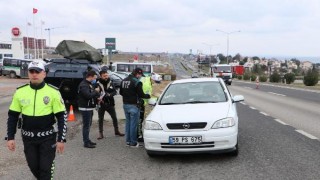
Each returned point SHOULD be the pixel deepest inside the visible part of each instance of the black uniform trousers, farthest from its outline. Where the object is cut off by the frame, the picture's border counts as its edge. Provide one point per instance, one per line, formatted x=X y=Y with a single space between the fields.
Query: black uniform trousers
x=112 y=112
x=40 y=154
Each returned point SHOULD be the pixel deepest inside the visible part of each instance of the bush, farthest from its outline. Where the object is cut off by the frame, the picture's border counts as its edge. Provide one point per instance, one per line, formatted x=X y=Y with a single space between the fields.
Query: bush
x=246 y=76
x=312 y=78
x=239 y=77
x=289 y=77
x=275 y=77
x=253 y=77
x=263 y=78
x=234 y=75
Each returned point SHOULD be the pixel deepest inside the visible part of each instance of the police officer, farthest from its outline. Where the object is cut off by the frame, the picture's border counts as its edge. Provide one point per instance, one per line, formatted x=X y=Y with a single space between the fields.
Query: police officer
x=107 y=103
x=147 y=89
x=39 y=104
x=131 y=91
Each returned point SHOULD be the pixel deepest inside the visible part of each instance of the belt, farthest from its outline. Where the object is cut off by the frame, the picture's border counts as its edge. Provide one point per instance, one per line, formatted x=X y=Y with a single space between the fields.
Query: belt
x=37 y=133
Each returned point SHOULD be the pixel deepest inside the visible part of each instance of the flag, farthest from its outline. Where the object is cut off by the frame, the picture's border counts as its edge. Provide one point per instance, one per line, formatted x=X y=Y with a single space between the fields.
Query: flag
x=29 y=24
x=35 y=11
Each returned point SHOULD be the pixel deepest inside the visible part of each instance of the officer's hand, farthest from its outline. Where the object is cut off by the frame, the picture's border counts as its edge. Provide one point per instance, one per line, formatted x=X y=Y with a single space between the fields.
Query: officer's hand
x=11 y=144
x=60 y=147
x=97 y=89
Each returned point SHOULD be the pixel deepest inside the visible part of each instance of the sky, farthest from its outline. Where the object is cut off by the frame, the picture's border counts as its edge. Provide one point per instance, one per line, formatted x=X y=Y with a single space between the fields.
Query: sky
x=288 y=28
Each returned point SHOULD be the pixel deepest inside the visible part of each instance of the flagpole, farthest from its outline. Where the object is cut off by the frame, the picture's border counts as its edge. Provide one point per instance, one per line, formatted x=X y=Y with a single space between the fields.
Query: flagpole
x=41 y=42
x=34 y=38
x=27 y=40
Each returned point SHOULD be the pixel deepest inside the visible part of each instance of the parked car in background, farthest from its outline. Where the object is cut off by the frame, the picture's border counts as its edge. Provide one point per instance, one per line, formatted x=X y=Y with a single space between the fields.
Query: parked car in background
x=117 y=78
x=192 y=116
x=195 y=74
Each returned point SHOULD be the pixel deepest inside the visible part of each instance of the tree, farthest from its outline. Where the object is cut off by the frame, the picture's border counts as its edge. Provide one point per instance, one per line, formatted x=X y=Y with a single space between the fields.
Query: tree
x=221 y=57
x=241 y=63
x=312 y=77
x=245 y=59
x=290 y=77
x=256 y=69
x=264 y=68
x=255 y=58
x=237 y=57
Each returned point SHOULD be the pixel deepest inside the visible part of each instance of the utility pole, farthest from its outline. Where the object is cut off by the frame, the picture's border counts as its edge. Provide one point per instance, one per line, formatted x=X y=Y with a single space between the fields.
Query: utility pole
x=49 y=29
x=228 y=33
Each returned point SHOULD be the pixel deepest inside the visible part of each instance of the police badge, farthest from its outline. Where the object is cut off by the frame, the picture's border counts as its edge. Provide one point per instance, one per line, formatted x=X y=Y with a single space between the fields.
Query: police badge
x=46 y=100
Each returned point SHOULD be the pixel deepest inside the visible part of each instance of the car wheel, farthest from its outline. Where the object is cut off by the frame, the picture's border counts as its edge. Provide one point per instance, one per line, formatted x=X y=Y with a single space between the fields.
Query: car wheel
x=12 y=75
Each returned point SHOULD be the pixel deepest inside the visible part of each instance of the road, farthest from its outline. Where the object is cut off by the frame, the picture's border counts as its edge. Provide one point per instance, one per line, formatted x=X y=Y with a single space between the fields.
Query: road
x=272 y=146
x=296 y=107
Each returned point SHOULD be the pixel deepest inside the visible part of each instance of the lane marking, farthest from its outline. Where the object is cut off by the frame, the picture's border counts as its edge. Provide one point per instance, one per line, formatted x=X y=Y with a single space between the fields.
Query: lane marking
x=281 y=122
x=243 y=103
x=252 y=107
x=306 y=134
x=277 y=94
x=264 y=113
x=247 y=87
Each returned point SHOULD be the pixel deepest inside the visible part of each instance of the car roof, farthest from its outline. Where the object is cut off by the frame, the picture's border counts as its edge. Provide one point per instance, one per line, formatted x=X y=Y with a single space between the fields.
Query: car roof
x=195 y=80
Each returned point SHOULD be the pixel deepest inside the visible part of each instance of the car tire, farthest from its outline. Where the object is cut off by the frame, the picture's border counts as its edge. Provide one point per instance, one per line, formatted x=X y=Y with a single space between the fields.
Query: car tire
x=12 y=75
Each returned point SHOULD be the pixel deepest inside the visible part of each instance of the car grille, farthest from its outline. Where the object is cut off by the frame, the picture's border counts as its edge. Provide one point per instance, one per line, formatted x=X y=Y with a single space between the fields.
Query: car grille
x=198 y=125
x=191 y=146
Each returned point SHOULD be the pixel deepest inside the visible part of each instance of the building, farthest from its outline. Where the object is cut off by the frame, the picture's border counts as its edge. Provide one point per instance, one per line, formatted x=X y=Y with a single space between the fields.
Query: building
x=32 y=43
x=306 y=65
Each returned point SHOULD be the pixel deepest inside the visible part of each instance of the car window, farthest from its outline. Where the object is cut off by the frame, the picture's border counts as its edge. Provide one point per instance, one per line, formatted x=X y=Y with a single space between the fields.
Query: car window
x=194 y=92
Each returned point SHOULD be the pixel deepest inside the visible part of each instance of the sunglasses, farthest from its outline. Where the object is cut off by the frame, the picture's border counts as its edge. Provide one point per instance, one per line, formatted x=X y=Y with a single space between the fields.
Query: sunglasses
x=32 y=71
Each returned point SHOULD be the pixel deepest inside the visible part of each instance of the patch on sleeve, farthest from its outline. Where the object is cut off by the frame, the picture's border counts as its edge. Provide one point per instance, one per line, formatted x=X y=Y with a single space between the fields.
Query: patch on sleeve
x=61 y=100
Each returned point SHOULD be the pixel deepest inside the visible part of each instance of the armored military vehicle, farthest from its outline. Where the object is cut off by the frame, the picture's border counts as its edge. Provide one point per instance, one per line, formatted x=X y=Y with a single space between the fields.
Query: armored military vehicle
x=67 y=73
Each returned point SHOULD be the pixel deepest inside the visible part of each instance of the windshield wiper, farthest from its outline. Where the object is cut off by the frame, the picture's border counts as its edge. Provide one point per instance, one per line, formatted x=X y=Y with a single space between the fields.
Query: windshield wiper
x=196 y=102
x=168 y=103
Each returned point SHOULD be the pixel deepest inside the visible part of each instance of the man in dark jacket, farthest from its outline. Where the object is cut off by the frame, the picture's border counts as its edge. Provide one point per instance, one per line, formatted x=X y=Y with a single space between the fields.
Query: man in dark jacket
x=131 y=91
x=107 y=103
x=87 y=103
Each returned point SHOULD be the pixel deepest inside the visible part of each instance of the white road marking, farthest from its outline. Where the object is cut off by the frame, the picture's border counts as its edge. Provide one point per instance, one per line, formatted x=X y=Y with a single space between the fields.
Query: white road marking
x=281 y=122
x=264 y=113
x=243 y=103
x=277 y=94
x=306 y=134
x=248 y=87
x=252 y=107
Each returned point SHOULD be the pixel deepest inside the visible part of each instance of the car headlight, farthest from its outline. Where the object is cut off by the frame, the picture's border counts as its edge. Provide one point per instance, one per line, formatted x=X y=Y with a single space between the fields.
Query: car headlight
x=151 y=125
x=223 y=123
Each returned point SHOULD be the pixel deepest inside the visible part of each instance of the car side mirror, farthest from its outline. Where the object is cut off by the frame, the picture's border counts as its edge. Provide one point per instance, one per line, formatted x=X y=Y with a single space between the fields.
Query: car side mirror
x=237 y=98
x=152 y=101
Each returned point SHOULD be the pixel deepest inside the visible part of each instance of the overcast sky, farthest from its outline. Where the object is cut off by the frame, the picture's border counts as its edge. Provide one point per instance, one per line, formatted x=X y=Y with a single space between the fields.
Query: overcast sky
x=268 y=27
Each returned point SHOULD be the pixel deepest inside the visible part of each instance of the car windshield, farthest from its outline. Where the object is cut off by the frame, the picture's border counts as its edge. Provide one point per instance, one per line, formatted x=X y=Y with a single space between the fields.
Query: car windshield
x=193 y=93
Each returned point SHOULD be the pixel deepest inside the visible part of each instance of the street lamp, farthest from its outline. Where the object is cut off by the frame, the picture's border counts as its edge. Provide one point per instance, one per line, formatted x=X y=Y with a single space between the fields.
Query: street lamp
x=228 y=33
x=49 y=29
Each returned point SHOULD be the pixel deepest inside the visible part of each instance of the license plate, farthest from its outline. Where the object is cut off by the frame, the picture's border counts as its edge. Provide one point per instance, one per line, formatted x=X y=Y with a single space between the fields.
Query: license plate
x=185 y=140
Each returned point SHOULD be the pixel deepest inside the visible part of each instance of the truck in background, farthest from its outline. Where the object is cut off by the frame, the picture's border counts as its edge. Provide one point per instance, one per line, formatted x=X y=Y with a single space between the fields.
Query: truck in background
x=238 y=69
x=223 y=71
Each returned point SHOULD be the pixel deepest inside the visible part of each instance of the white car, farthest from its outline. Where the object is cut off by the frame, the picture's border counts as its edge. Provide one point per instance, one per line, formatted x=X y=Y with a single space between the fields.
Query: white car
x=192 y=116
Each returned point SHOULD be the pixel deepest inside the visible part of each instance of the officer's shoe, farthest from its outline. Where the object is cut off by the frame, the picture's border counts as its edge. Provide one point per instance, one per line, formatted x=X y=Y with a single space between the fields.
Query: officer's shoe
x=89 y=146
x=92 y=143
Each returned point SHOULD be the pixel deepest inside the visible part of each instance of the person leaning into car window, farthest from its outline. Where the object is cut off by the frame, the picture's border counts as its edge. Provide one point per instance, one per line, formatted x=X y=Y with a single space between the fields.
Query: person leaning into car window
x=131 y=91
x=87 y=100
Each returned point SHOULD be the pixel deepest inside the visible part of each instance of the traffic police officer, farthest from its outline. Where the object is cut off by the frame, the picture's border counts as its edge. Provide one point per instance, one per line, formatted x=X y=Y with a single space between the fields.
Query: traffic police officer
x=39 y=104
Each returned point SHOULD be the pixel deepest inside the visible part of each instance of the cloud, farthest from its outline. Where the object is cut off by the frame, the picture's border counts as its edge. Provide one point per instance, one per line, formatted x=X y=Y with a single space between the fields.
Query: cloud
x=267 y=26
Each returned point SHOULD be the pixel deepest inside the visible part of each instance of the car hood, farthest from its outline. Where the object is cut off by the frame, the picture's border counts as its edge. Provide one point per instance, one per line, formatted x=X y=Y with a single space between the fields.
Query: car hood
x=183 y=113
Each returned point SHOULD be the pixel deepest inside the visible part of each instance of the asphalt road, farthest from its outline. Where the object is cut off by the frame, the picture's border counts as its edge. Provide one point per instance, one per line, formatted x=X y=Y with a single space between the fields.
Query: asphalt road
x=295 y=107
x=268 y=150
x=298 y=93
